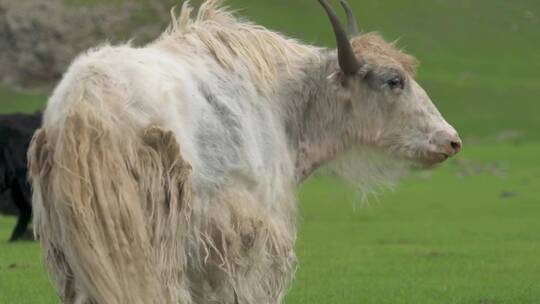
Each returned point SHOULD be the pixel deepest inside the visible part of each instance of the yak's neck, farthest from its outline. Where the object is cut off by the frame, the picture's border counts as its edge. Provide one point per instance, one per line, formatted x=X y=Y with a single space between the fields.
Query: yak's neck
x=316 y=118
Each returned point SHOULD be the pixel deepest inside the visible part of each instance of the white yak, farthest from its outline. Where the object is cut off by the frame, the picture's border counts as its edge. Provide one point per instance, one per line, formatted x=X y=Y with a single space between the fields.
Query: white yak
x=168 y=173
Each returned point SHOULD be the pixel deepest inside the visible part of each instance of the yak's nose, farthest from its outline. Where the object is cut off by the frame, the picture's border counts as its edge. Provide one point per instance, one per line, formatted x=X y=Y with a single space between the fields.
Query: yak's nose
x=446 y=142
x=456 y=145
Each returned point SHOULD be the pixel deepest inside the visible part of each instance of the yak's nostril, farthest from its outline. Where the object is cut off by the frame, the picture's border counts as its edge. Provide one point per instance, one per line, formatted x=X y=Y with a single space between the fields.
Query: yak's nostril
x=456 y=146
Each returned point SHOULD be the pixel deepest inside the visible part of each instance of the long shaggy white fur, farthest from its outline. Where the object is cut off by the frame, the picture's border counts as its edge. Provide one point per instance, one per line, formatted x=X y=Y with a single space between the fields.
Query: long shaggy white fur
x=113 y=203
x=369 y=171
x=112 y=209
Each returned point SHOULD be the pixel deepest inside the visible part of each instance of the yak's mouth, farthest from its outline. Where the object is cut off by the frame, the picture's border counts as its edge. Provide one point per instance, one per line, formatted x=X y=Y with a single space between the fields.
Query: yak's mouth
x=425 y=159
x=420 y=154
x=421 y=157
x=432 y=159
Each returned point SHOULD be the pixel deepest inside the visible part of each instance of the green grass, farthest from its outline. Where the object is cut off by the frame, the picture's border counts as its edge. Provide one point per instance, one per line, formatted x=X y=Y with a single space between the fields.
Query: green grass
x=446 y=239
x=465 y=233
x=12 y=101
x=22 y=277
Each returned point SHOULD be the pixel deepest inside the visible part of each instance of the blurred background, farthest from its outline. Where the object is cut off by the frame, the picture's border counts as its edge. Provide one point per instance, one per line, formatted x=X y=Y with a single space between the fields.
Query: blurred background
x=468 y=232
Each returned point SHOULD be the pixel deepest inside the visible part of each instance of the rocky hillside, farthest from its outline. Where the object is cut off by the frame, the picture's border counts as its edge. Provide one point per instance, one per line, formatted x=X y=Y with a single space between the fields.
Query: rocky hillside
x=39 y=38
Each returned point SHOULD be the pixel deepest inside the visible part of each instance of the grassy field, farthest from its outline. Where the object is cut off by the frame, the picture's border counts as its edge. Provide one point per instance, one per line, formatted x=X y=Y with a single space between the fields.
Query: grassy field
x=467 y=232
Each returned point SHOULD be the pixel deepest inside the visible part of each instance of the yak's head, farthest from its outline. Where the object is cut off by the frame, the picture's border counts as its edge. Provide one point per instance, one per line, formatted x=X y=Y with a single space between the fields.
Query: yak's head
x=390 y=110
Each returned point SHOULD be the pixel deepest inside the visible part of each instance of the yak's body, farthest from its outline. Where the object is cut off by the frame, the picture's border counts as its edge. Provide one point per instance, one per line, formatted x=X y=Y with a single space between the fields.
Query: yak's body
x=167 y=174
x=225 y=128
x=242 y=177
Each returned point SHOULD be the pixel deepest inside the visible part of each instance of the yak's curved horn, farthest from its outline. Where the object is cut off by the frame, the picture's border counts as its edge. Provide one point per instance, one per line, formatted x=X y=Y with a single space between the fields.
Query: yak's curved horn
x=351 y=20
x=347 y=60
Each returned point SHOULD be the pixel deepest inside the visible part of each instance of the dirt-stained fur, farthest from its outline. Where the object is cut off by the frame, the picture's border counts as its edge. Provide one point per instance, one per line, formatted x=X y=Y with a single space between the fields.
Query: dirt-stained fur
x=111 y=216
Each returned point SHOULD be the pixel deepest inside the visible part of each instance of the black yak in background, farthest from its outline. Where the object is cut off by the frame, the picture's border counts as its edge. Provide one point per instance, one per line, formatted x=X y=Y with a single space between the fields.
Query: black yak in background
x=16 y=132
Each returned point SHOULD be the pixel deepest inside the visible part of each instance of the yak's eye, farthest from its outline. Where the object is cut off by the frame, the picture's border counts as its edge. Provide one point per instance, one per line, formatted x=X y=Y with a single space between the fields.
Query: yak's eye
x=395 y=82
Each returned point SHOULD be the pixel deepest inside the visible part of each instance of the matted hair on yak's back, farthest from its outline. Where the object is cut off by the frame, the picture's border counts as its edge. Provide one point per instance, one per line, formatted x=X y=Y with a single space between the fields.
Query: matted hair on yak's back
x=230 y=39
